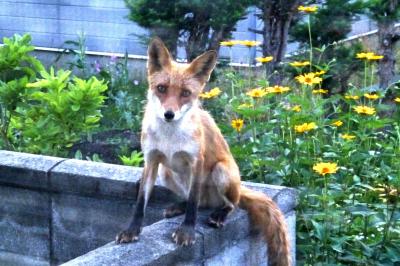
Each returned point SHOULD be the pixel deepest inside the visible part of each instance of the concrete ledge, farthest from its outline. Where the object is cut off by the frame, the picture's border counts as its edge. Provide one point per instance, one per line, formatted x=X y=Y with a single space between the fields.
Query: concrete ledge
x=26 y=169
x=84 y=204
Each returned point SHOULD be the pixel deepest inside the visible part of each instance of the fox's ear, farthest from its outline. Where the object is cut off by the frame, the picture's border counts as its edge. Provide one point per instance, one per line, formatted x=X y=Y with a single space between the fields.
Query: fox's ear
x=159 y=57
x=202 y=66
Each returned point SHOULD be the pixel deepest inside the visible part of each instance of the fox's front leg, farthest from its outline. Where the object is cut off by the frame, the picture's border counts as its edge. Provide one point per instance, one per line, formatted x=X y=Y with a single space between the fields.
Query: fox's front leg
x=146 y=186
x=185 y=234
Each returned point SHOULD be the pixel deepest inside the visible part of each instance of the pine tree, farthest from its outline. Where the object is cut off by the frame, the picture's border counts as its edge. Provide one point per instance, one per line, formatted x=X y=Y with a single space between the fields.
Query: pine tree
x=202 y=24
x=386 y=13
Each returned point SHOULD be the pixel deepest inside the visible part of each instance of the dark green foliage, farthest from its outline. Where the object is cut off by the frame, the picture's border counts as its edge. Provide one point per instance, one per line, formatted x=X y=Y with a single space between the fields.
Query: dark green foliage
x=203 y=24
x=331 y=23
x=383 y=10
x=125 y=96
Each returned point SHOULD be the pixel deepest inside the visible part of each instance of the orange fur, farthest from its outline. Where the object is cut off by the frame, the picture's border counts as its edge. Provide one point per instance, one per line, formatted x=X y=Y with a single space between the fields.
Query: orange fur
x=267 y=218
x=200 y=147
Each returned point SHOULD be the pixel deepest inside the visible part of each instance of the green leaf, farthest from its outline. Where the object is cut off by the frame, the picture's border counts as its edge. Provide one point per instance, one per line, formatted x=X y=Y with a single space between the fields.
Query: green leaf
x=75 y=107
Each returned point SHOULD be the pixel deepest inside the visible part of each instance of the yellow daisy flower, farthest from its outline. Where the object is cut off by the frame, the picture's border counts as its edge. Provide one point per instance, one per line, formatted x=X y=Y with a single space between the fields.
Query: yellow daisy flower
x=277 y=89
x=320 y=91
x=256 y=93
x=363 y=109
x=347 y=136
x=305 y=127
x=299 y=64
x=320 y=73
x=249 y=43
x=397 y=99
x=308 y=9
x=352 y=97
x=264 y=59
x=325 y=168
x=227 y=43
x=371 y=96
x=309 y=79
x=237 y=124
x=337 y=123
x=210 y=94
x=364 y=55
x=245 y=106
x=375 y=57
x=296 y=108
x=369 y=56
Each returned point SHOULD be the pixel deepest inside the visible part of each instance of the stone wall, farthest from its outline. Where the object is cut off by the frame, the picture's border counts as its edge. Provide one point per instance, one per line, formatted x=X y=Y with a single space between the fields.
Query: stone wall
x=54 y=210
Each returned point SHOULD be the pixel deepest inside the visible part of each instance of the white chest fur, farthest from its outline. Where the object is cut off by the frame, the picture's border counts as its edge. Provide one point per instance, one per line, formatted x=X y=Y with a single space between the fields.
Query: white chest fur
x=169 y=137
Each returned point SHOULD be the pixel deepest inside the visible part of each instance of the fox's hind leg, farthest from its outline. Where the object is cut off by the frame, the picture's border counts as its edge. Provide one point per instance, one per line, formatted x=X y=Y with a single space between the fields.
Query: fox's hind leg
x=175 y=209
x=225 y=176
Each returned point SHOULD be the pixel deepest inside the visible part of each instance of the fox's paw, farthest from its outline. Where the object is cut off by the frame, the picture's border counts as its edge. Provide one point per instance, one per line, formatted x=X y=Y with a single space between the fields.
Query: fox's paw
x=218 y=217
x=216 y=221
x=127 y=236
x=184 y=235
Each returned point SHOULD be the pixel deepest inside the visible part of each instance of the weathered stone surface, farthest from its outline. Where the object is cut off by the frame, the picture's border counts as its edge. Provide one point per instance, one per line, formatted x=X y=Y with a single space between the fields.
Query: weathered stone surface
x=213 y=246
x=155 y=247
x=291 y=223
x=286 y=199
x=12 y=259
x=81 y=224
x=237 y=227
x=252 y=250
x=24 y=222
x=100 y=179
x=25 y=169
x=96 y=179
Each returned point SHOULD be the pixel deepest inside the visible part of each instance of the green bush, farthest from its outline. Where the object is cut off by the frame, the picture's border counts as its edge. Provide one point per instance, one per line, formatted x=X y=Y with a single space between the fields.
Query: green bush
x=17 y=68
x=44 y=115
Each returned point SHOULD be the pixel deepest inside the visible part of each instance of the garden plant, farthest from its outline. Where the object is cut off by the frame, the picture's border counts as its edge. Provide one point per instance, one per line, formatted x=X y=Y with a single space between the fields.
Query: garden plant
x=339 y=148
x=340 y=151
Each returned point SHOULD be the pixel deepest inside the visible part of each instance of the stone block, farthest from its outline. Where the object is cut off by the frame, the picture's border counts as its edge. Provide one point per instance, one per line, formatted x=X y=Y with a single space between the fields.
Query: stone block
x=155 y=247
x=91 y=178
x=100 y=179
x=12 y=259
x=27 y=170
x=81 y=224
x=24 y=222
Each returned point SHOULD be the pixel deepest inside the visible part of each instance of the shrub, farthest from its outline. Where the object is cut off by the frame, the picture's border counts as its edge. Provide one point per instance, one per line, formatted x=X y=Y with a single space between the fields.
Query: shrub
x=66 y=108
x=43 y=115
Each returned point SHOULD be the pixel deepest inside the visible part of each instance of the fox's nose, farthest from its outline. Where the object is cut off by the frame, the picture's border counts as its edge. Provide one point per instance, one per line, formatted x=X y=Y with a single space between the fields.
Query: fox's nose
x=169 y=115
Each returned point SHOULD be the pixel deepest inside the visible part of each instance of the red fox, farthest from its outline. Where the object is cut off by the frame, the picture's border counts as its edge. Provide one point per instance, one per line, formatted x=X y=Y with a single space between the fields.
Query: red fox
x=182 y=144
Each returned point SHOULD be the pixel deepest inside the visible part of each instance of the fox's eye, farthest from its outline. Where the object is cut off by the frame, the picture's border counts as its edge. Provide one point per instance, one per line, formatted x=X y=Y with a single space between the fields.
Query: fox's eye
x=161 y=88
x=186 y=93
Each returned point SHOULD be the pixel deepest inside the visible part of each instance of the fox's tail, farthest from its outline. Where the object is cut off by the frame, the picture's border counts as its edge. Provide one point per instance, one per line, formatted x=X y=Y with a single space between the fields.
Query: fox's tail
x=266 y=216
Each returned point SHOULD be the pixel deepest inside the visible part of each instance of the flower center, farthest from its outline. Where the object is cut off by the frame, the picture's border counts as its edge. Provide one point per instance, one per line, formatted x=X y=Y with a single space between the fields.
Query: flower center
x=325 y=170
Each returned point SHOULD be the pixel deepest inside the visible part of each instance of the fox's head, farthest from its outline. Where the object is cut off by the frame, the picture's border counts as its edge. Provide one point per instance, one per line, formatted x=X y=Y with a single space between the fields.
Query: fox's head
x=174 y=88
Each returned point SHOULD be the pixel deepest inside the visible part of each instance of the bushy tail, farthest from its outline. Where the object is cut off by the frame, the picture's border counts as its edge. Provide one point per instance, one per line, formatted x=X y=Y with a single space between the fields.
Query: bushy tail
x=266 y=216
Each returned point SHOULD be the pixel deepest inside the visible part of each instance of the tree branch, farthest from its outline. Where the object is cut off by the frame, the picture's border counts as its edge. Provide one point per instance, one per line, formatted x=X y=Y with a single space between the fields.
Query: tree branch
x=255 y=31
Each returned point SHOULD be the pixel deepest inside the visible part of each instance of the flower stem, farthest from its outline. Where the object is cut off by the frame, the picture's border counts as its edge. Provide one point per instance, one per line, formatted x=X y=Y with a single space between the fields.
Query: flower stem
x=309 y=35
x=365 y=73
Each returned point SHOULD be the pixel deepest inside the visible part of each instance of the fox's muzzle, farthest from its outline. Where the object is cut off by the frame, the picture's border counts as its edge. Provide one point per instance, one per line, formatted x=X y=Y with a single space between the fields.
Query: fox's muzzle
x=169 y=115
